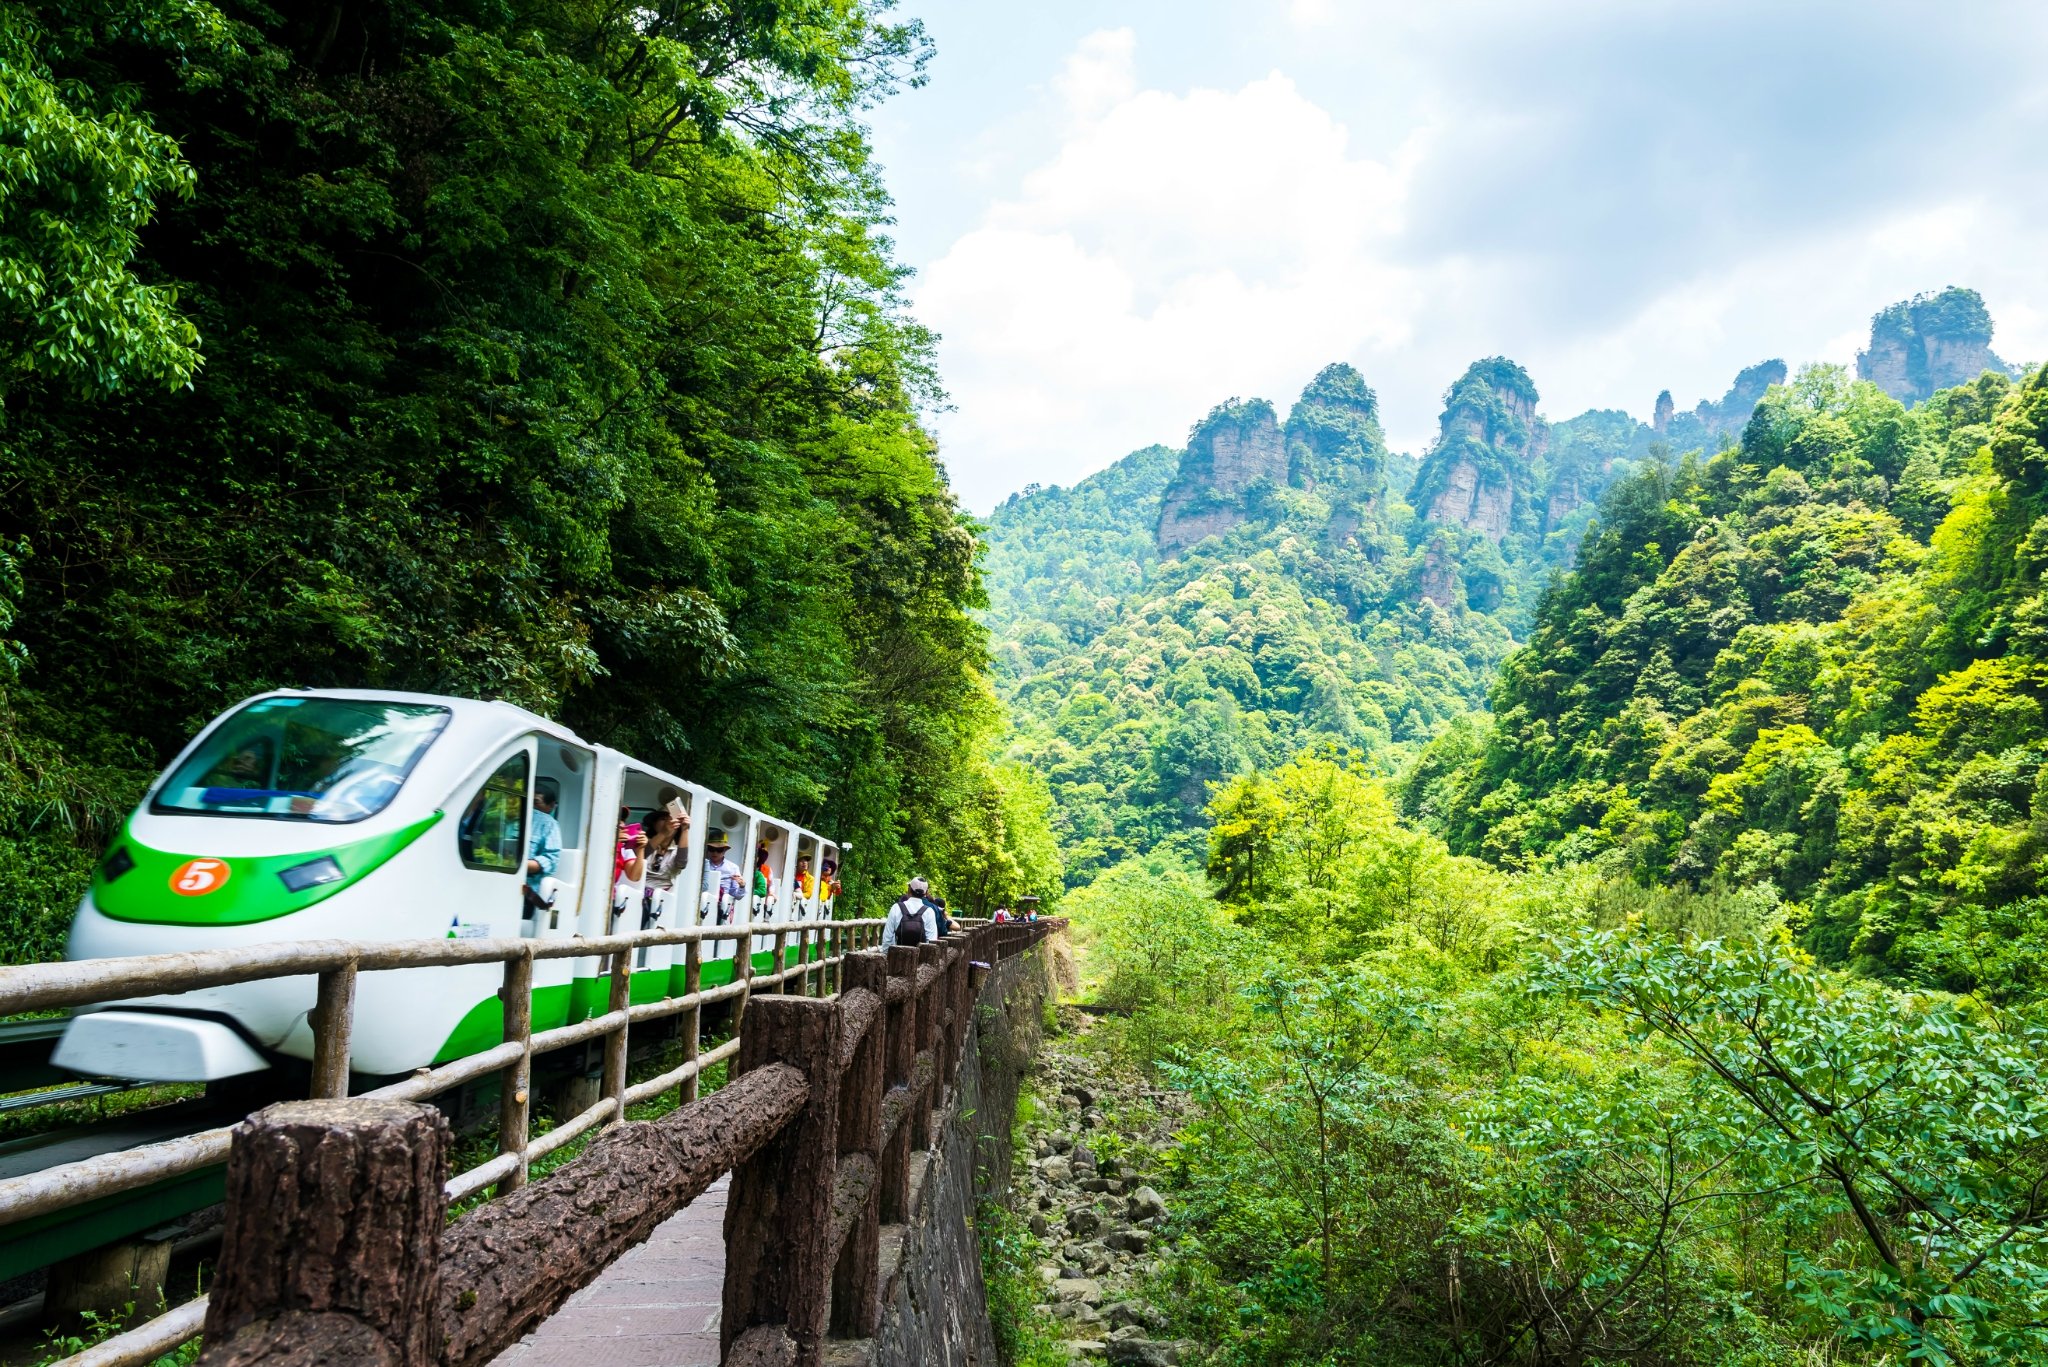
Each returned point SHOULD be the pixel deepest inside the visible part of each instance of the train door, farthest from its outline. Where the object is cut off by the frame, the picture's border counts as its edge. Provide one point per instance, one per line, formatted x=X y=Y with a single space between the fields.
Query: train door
x=803 y=886
x=768 y=872
x=565 y=774
x=829 y=855
x=722 y=885
x=660 y=805
x=589 y=994
x=491 y=843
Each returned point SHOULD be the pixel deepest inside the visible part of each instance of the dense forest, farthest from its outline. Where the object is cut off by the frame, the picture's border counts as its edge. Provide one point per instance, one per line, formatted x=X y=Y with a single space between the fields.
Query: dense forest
x=551 y=353
x=1589 y=889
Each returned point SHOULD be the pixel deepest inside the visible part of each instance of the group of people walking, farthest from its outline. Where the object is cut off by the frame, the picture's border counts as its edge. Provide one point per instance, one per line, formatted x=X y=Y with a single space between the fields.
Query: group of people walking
x=918 y=917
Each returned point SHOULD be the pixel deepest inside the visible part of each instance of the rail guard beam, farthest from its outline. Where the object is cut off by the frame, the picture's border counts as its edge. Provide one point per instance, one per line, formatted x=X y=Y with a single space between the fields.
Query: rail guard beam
x=829 y=1096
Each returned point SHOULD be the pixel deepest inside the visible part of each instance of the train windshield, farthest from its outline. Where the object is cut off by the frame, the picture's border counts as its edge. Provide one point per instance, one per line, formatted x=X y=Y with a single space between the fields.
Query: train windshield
x=304 y=759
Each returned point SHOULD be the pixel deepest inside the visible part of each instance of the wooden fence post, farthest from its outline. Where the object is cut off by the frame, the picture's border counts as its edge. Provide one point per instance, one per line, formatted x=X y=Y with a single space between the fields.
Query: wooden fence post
x=616 y=1045
x=690 y=1024
x=900 y=1064
x=929 y=1007
x=333 y=1020
x=778 y=1214
x=333 y=1244
x=961 y=1005
x=856 y=1277
x=515 y=1083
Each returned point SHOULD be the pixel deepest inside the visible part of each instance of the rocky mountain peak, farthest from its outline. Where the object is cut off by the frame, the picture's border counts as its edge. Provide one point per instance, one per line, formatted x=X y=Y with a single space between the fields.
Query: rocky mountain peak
x=1709 y=421
x=1230 y=452
x=1481 y=471
x=1334 y=440
x=1929 y=342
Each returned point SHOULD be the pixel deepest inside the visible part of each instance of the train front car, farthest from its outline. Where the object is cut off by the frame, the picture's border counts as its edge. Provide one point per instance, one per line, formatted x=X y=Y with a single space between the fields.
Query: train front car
x=324 y=814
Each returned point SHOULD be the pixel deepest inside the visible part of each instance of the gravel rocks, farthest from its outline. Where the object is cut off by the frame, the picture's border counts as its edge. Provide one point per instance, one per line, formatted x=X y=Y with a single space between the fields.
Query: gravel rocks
x=1097 y=1137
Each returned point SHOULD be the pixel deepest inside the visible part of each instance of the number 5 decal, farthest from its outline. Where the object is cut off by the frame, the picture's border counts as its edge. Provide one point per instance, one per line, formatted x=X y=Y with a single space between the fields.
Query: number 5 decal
x=197 y=877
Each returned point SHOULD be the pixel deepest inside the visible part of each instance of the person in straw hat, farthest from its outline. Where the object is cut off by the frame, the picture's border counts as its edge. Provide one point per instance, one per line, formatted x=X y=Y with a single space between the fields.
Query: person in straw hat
x=721 y=875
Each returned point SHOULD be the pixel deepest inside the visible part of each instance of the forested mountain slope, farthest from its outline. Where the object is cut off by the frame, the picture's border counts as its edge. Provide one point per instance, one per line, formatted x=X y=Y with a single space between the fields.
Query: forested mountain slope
x=1815 y=660
x=1276 y=586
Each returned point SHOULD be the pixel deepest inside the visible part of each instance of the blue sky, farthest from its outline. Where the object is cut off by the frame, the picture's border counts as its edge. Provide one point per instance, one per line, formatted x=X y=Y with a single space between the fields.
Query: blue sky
x=1121 y=214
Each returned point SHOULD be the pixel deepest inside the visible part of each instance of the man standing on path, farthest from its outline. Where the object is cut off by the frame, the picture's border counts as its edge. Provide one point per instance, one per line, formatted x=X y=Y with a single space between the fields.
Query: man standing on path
x=910 y=920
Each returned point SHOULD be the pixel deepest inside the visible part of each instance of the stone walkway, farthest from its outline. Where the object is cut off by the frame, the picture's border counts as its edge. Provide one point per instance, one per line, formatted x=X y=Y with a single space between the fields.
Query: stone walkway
x=656 y=1307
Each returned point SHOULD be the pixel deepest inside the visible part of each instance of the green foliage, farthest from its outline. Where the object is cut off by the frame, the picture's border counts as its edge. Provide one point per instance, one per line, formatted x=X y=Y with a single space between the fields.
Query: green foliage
x=1009 y=1271
x=1001 y=846
x=1898 y=1140
x=554 y=355
x=1811 y=661
x=1175 y=959
x=1136 y=682
x=81 y=172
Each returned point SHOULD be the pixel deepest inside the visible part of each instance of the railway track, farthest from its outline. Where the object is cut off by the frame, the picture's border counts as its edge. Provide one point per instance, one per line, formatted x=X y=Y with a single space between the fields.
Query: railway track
x=32 y=1245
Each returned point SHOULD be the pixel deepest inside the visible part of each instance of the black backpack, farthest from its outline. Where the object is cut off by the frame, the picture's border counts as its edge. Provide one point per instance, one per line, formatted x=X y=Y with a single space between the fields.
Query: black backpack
x=909 y=925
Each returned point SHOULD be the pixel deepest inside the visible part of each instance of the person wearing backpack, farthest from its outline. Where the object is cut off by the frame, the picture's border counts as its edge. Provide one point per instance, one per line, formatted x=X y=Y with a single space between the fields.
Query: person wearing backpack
x=910 y=920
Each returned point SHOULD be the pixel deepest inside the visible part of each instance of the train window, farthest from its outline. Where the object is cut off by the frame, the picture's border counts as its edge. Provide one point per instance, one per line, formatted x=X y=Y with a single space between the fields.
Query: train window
x=492 y=836
x=304 y=759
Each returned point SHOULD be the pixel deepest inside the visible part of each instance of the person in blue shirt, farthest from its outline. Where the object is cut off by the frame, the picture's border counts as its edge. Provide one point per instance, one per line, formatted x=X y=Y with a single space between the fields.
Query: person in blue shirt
x=544 y=846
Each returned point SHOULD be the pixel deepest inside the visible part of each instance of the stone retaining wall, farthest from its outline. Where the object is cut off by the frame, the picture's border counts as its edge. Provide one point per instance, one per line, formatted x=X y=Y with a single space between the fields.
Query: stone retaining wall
x=935 y=1307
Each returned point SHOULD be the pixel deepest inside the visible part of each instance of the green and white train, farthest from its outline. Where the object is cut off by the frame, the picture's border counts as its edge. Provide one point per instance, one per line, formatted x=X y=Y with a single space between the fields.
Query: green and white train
x=316 y=814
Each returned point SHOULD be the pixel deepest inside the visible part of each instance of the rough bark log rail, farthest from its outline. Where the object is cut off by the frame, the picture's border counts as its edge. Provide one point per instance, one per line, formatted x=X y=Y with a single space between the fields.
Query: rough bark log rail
x=336 y=1246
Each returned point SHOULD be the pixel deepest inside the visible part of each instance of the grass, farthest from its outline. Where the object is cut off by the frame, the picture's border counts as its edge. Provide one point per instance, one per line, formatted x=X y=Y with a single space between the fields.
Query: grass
x=481 y=1145
x=1025 y=1336
x=32 y=1120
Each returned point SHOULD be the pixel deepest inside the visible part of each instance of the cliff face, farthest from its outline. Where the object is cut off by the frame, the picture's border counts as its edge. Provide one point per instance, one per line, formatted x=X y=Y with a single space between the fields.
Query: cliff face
x=1708 y=423
x=1334 y=442
x=1585 y=455
x=1929 y=342
x=1481 y=473
x=1235 y=449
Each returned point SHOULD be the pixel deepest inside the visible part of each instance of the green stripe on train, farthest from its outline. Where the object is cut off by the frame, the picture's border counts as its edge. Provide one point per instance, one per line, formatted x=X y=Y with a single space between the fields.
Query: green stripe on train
x=484 y=1025
x=253 y=891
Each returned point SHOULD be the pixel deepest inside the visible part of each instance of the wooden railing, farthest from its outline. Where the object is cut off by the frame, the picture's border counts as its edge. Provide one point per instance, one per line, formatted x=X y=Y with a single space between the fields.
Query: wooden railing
x=337 y=1245
x=807 y=958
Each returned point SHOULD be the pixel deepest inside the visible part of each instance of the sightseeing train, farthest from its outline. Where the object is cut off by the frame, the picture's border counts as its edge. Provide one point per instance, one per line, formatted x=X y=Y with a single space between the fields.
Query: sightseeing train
x=320 y=813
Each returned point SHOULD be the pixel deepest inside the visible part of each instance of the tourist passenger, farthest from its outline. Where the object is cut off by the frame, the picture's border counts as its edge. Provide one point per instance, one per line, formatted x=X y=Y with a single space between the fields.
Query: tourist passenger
x=544 y=846
x=721 y=875
x=629 y=864
x=764 y=881
x=666 y=848
x=828 y=881
x=1002 y=915
x=910 y=919
x=804 y=879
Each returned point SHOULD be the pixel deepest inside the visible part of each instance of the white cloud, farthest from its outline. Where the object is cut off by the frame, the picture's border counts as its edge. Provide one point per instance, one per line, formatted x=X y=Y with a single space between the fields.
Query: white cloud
x=1098 y=74
x=1624 y=198
x=1175 y=250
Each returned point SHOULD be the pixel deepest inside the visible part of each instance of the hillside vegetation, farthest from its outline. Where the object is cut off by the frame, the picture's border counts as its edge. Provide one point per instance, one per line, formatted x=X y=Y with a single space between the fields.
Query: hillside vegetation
x=1592 y=892
x=1812 y=662
x=1182 y=617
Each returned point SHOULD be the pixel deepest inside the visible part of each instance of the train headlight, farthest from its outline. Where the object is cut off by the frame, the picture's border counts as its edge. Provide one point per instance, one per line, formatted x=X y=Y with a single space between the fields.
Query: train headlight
x=311 y=874
x=118 y=862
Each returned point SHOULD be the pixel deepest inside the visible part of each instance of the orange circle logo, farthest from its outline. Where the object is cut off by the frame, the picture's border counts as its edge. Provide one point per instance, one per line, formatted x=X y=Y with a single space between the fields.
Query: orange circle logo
x=197 y=877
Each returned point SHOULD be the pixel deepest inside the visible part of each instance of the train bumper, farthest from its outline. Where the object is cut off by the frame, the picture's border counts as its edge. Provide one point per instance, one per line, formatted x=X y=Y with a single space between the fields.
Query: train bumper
x=154 y=1047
